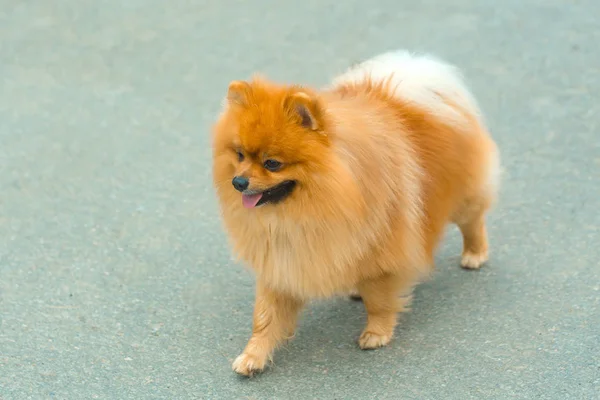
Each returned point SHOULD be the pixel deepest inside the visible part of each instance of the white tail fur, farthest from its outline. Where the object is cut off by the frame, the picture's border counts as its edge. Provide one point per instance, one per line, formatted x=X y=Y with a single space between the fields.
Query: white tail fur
x=421 y=79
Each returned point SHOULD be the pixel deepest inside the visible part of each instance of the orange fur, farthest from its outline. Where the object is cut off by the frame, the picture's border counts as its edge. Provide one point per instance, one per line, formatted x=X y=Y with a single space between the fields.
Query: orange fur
x=378 y=180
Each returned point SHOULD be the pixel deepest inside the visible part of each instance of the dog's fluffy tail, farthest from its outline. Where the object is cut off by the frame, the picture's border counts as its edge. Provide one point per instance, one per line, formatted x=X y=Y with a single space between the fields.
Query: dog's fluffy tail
x=422 y=80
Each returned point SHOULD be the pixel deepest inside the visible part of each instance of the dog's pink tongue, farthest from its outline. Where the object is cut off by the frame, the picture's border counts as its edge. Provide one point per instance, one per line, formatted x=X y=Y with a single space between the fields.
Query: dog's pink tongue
x=251 y=200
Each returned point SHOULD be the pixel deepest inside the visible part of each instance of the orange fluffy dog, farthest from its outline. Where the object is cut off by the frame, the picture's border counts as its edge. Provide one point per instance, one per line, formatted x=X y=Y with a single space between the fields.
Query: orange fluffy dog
x=350 y=188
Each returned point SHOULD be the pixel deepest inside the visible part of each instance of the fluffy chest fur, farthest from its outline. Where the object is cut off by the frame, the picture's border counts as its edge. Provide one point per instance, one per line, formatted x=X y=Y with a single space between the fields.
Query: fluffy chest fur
x=307 y=259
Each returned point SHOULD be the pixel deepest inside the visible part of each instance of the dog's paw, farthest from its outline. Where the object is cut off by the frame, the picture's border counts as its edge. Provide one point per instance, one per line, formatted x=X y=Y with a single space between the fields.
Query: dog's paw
x=248 y=364
x=370 y=340
x=473 y=260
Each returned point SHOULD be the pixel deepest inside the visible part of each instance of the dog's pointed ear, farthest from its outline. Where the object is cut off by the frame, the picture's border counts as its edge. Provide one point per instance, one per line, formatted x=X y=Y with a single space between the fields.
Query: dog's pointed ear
x=239 y=93
x=306 y=109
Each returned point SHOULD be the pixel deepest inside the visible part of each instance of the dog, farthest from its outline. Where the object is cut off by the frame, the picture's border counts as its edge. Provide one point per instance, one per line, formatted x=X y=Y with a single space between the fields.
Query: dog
x=349 y=188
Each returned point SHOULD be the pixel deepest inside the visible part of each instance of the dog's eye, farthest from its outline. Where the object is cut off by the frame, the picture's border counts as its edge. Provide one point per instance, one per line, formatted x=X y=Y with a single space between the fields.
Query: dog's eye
x=272 y=165
x=240 y=156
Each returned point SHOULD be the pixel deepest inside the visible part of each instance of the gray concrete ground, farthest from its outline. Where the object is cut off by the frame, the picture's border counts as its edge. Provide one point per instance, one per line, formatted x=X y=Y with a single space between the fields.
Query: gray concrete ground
x=115 y=276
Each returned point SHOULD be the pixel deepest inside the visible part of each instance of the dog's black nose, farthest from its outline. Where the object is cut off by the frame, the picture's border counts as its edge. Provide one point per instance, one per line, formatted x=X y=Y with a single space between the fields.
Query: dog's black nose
x=240 y=183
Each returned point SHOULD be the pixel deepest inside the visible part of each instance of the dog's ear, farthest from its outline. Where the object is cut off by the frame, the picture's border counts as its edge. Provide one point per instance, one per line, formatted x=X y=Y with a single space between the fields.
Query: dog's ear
x=239 y=93
x=306 y=109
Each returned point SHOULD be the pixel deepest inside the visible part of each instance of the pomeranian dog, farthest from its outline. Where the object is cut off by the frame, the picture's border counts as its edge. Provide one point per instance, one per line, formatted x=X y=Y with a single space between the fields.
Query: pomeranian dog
x=348 y=189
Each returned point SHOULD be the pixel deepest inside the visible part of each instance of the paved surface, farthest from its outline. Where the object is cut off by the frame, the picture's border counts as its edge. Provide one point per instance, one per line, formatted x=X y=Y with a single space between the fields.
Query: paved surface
x=115 y=276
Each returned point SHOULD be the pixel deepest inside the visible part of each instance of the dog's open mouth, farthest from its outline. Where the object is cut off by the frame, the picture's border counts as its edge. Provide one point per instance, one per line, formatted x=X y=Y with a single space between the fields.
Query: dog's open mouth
x=272 y=195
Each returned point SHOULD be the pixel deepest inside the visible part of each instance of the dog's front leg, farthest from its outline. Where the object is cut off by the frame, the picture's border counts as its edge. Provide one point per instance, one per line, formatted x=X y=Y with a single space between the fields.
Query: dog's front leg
x=274 y=321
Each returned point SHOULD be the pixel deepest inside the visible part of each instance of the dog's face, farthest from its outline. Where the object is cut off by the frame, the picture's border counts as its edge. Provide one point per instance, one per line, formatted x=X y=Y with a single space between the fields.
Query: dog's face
x=267 y=143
